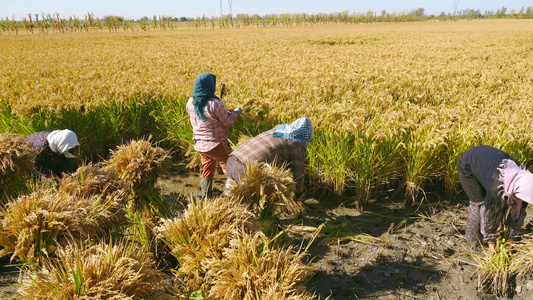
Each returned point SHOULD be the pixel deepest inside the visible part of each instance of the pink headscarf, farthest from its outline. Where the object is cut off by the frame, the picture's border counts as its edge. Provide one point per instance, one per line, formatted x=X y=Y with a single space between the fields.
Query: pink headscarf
x=517 y=181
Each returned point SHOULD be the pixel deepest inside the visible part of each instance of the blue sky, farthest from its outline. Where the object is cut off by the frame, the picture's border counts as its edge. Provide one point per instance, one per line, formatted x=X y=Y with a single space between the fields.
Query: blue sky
x=135 y=9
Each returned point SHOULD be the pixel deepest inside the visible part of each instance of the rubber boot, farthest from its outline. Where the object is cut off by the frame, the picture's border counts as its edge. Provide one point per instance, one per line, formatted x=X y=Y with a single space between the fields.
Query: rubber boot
x=227 y=186
x=206 y=186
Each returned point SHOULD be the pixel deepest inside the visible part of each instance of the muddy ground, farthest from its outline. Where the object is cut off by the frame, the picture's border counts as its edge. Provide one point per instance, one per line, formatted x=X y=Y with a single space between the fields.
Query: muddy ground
x=388 y=252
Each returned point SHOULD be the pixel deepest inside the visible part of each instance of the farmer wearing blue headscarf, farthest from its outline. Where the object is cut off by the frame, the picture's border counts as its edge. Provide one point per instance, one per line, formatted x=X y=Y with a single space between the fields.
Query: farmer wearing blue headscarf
x=210 y=121
x=285 y=144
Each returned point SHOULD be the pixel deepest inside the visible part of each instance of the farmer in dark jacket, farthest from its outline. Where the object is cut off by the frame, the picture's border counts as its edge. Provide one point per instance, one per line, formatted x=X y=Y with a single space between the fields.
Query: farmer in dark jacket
x=284 y=144
x=53 y=152
x=499 y=189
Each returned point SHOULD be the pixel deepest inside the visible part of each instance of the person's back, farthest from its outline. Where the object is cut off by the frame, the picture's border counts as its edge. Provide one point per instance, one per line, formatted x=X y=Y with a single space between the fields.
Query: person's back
x=53 y=156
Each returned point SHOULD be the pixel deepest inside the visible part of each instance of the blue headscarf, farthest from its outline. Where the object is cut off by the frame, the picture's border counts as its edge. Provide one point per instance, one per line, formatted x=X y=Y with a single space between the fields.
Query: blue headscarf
x=203 y=90
x=300 y=131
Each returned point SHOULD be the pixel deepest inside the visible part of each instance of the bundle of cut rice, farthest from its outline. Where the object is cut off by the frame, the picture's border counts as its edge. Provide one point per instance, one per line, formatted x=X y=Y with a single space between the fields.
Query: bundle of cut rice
x=34 y=225
x=121 y=270
x=200 y=233
x=268 y=189
x=15 y=164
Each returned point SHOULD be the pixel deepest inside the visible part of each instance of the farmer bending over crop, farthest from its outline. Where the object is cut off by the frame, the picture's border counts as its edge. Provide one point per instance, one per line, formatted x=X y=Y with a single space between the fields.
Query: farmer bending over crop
x=210 y=121
x=499 y=189
x=54 y=155
x=284 y=144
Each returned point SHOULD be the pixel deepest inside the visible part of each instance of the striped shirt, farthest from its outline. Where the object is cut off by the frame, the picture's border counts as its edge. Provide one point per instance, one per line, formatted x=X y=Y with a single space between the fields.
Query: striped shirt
x=266 y=148
x=213 y=128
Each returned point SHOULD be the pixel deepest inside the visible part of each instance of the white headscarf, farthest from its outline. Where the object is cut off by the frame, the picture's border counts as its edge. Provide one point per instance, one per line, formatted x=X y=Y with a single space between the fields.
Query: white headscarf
x=61 y=141
x=517 y=181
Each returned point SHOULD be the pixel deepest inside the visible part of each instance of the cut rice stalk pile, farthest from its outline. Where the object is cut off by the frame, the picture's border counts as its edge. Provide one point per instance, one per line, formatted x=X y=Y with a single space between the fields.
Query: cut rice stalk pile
x=116 y=271
x=268 y=189
x=15 y=163
x=33 y=225
x=200 y=233
x=251 y=269
x=140 y=164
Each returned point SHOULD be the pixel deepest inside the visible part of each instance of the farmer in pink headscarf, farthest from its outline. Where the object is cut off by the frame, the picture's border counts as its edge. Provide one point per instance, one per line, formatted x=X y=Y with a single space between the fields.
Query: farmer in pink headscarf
x=499 y=189
x=54 y=149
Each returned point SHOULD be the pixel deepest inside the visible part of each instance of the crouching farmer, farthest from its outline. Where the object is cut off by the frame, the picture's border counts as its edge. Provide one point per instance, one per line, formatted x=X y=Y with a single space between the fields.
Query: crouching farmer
x=499 y=189
x=285 y=144
x=54 y=149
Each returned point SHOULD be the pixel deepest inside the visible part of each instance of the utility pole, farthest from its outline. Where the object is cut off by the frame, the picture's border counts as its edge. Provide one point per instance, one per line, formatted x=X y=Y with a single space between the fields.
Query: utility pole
x=221 y=14
x=229 y=3
x=455 y=5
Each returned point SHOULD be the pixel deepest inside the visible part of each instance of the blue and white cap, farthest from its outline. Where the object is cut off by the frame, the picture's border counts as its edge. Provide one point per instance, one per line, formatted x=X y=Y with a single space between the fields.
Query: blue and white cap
x=300 y=131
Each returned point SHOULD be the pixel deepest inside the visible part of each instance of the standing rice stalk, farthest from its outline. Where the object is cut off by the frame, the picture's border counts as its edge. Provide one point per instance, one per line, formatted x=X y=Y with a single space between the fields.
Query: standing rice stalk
x=15 y=165
x=123 y=270
x=329 y=158
x=424 y=147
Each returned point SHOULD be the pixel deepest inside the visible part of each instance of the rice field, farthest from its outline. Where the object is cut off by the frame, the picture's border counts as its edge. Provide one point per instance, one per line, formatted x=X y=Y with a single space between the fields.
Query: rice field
x=392 y=104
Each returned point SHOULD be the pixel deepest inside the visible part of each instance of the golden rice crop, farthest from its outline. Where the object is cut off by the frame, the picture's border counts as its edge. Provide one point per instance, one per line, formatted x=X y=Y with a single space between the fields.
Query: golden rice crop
x=92 y=180
x=374 y=82
x=251 y=269
x=140 y=164
x=15 y=163
x=120 y=270
x=268 y=190
x=200 y=233
x=32 y=226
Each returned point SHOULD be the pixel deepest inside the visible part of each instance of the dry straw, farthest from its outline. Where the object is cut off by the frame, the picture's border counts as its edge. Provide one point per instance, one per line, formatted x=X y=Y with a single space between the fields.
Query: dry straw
x=251 y=269
x=140 y=164
x=34 y=225
x=15 y=163
x=103 y=271
x=268 y=189
x=199 y=235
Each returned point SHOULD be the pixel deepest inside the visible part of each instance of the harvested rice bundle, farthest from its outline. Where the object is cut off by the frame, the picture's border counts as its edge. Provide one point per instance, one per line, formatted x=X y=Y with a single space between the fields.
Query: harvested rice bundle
x=123 y=270
x=33 y=225
x=496 y=272
x=140 y=164
x=92 y=180
x=523 y=262
x=15 y=163
x=199 y=234
x=268 y=189
x=251 y=269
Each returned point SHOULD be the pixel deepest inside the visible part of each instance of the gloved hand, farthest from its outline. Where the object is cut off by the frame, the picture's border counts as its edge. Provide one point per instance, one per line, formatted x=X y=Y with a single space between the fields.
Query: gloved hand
x=238 y=110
